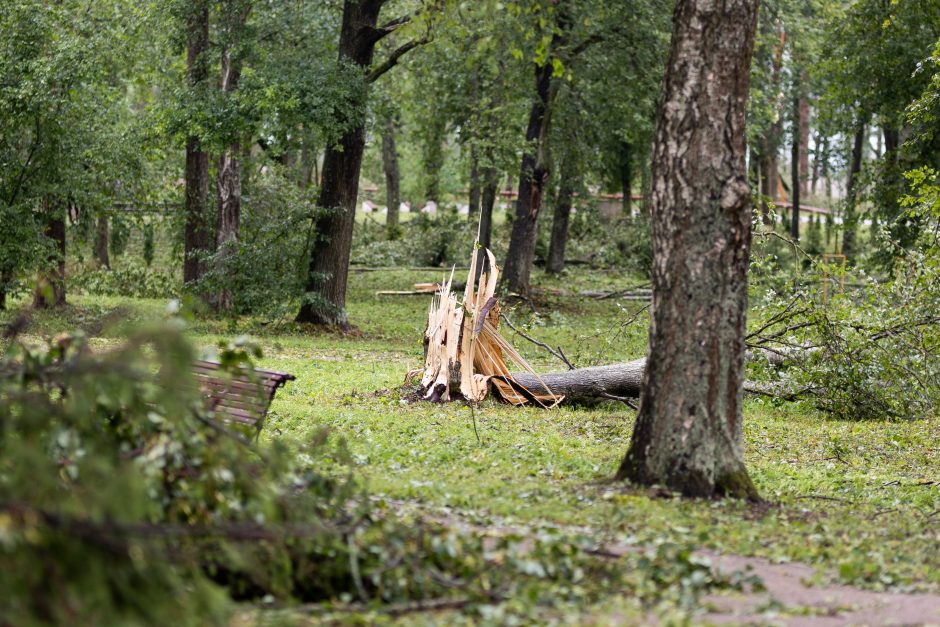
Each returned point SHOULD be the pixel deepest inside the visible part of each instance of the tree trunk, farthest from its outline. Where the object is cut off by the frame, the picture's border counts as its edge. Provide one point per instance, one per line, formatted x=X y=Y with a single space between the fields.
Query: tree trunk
x=556 y=248
x=392 y=177
x=325 y=299
x=490 y=178
x=533 y=176
x=229 y=184
x=688 y=433
x=796 y=163
x=434 y=157
x=101 y=242
x=804 y=140
x=626 y=176
x=850 y=218
x=473 y=200
x=50 y=291
x=198 y=235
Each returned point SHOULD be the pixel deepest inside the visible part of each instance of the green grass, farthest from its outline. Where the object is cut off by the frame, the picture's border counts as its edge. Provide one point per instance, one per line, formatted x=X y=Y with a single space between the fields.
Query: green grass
x=859 y=500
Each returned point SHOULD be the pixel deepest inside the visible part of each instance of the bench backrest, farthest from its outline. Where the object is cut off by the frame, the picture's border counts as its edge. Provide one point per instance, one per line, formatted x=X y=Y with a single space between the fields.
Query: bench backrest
x=239 y=398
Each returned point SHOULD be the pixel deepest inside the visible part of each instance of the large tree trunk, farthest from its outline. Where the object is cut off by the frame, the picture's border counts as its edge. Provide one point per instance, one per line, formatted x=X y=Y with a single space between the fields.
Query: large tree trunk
x=101 y=242
x=325 y=298
x=392 y=177
x=50 y=291
x=688 y=433
x=850 y=219
x=533 y=176
x=559 y=241
x=198 y=234
x=795 y=165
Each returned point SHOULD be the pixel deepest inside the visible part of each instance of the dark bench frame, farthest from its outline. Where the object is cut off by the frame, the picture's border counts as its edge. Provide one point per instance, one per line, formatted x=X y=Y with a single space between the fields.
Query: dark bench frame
x=242 y=399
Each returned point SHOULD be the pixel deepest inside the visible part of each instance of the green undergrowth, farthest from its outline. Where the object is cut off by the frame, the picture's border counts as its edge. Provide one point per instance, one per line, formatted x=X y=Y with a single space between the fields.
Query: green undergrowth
x=858 y=500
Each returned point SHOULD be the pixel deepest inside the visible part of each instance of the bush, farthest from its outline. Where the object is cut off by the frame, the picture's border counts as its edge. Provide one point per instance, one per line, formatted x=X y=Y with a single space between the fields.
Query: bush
x=265 y=271
x=130 y=279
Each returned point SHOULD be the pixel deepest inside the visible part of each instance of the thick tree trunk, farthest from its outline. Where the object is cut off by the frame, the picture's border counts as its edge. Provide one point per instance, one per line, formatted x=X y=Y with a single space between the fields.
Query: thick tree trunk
x=198 y=234
x=533 y=176
x=392 y=177
x=101 y=242
x=50 y=291
x=795 y=164
x=325 y=299
x=850 y=219
x=559 y=241
x=688 y=434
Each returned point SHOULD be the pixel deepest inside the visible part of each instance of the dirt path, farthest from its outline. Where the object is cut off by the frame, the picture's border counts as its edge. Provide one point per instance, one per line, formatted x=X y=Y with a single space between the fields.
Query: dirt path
x=787 y=599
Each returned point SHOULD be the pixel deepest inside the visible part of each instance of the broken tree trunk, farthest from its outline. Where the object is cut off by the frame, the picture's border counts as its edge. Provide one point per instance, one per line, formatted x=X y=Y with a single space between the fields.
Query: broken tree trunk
x=464 y=351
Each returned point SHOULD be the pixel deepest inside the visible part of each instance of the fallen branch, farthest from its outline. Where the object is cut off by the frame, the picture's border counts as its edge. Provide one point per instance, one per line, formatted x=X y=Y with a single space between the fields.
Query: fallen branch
x=560 y=354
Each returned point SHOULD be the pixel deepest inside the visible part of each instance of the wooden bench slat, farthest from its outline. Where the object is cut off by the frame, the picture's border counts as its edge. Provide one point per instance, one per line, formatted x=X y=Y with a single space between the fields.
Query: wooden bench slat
x=244 y=399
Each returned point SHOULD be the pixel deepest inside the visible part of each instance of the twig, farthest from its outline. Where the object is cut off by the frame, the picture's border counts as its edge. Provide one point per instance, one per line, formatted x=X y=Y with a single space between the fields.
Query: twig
x=473 y=417
x=823 y=497
x=622 y=399
x=559 y=354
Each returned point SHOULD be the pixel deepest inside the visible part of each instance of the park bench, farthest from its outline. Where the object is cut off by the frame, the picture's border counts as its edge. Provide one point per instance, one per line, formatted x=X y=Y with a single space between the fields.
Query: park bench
x=243 y=399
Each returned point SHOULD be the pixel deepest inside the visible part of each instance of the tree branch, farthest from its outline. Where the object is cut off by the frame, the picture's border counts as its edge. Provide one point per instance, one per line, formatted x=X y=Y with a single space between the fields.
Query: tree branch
x=393 y=58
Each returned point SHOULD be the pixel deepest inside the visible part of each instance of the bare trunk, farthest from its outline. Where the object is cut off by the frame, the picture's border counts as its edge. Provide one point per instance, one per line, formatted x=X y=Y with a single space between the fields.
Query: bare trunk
x=198 y=235
x=50 y=291
x=434 y=157
x=533 y=176
x=392 y=177
x=473 y=207
x=688 y=433
x=626 y=176
x=796 y=163
x=850 y=219
x=559 y=241
x=229 y=179
x=101 y=242
x=487 y=203
x=324 y=300
x=804 y=141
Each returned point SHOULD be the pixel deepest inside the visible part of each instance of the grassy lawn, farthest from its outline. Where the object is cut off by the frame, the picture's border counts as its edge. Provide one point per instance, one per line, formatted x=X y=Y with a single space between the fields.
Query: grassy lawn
x=858 y=500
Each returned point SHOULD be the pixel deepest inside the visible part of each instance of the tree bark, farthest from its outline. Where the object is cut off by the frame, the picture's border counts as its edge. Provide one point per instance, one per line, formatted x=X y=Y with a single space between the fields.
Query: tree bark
x=796 y=162
x=198 y=235
x=434 y=157
x=101 y=242
x=533 y=176
x=392 y=177
x=473 y=200
x=688 y=433
x=850 y=218
x=626 y=176
x=50 y=291
x=229 y=175
x=325 y=299
x=490 y=178
x=804 y=140
x=559 y=240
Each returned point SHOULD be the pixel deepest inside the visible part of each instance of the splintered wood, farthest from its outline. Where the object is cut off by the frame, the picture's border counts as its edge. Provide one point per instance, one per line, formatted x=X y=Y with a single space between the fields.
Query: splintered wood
x=465 y=350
